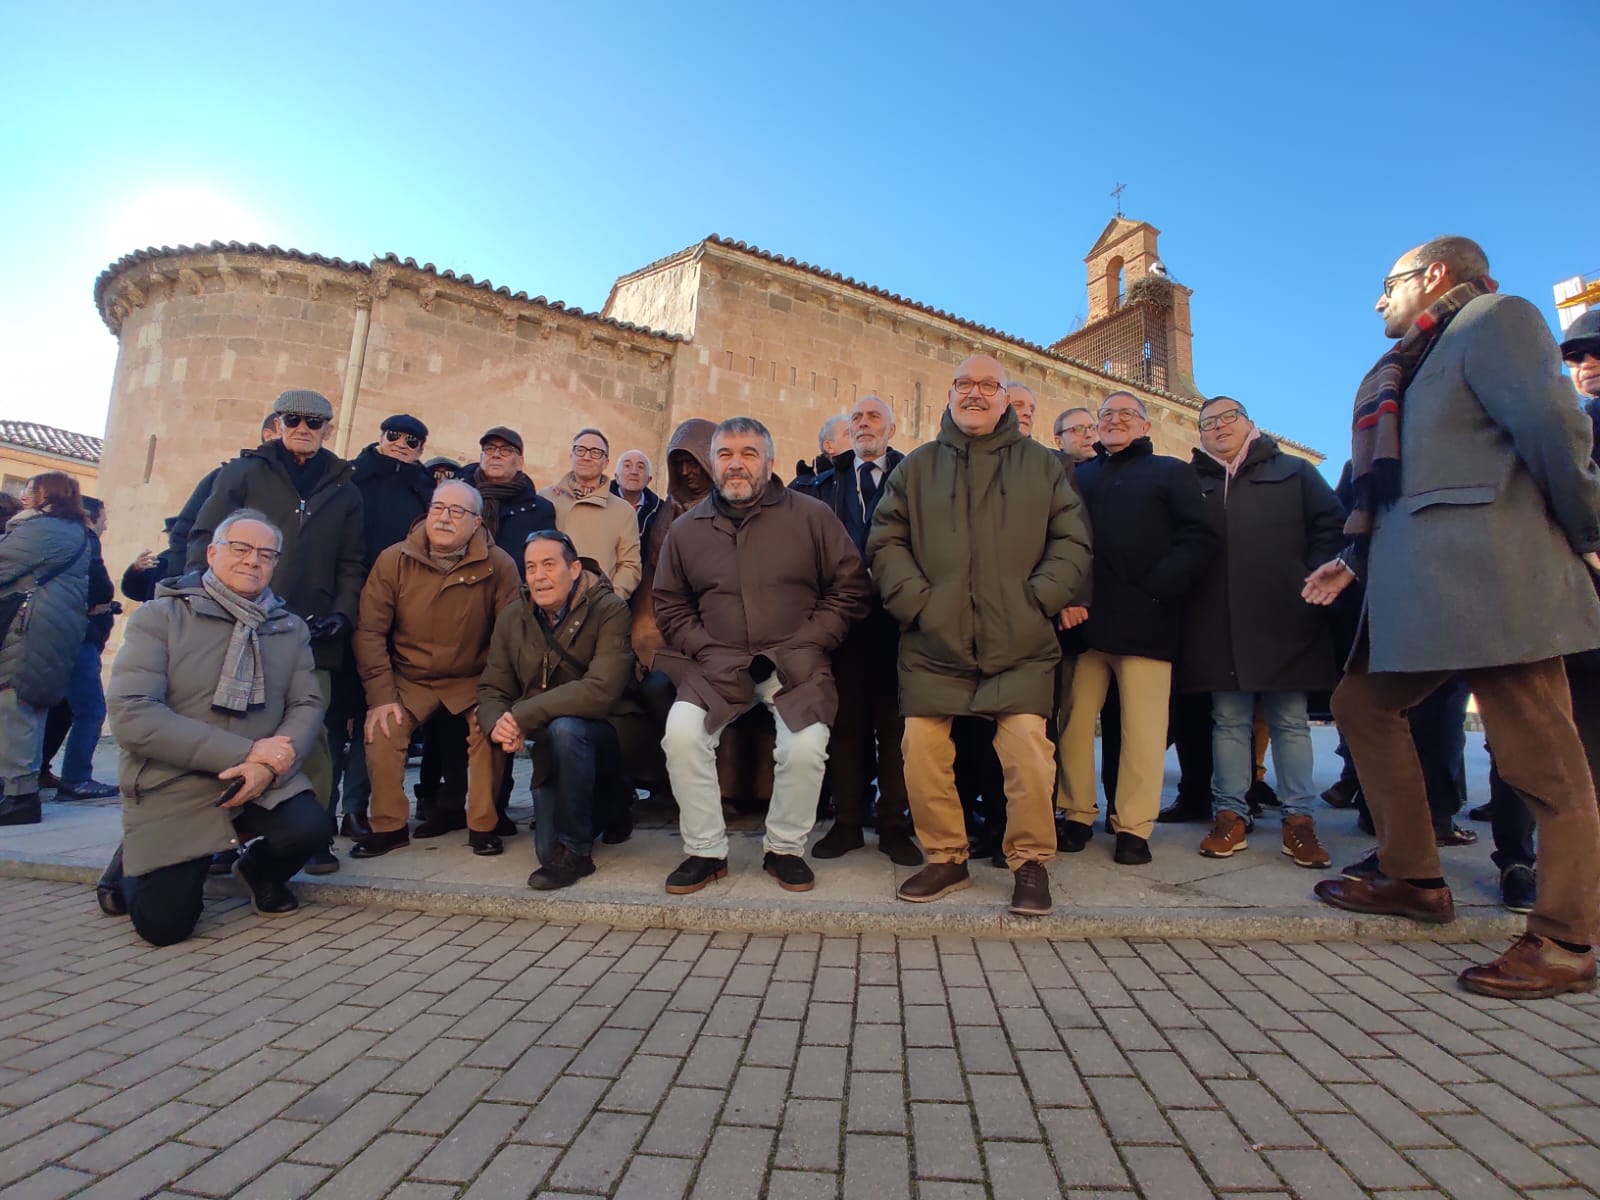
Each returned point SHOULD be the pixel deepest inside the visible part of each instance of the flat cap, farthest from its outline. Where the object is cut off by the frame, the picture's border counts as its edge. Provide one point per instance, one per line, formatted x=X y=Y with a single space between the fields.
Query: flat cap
x=304 y=402
x=404 y=423
x=1582 y=335
x=510 y=436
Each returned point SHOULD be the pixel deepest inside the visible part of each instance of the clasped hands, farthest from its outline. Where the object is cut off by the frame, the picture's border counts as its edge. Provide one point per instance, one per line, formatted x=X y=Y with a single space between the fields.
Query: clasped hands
x=269 y=759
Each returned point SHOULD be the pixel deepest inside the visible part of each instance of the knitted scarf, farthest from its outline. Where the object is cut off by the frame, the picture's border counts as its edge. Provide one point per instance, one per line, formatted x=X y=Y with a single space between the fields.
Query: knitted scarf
x=495 y=494
x=1375 y=427
x=242 y=684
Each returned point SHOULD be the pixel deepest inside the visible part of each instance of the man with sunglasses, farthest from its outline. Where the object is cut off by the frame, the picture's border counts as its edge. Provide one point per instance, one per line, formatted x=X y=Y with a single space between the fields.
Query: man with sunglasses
x=308 y=493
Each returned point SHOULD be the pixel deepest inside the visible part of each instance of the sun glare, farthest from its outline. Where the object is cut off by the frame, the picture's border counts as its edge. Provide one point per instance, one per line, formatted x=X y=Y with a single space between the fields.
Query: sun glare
x=180 y=216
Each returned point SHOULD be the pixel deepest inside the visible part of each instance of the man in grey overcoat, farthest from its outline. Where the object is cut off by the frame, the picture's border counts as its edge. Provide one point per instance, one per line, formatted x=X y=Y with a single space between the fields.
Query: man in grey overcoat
x=1475 y=523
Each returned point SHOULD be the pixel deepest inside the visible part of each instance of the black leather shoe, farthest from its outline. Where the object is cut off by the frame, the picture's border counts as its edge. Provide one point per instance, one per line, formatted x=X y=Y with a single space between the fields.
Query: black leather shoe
x=108 y=892
x=269 y=899
x=1072 y=836
x=322 y=862
x=21 y=810
x=1261 y=795
x=789 y=870
x=485 y=845
x=694 y=873
x=562 y=871
x=897 y=844
x=354 y=825
x=442 y=823
x=1478 y=812
x=376 y=845
x=222 y=863
x=1131 y=851
x=839 y=841
x=1455 y=835
x=1184 y=811
x=619 y=831
x=1342 y=794
x=503 y=827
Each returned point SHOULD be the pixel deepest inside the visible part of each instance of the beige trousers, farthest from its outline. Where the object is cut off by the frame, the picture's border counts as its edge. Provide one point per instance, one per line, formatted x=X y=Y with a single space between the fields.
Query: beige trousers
x=1145 y=686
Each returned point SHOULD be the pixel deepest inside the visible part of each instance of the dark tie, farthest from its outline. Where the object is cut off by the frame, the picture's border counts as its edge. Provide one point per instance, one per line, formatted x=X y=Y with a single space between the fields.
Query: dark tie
x=869 y=492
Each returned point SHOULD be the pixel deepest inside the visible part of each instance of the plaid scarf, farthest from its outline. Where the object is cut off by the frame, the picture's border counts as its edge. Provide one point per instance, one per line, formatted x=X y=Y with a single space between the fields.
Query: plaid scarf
x=1375 y=427
x=242 y=684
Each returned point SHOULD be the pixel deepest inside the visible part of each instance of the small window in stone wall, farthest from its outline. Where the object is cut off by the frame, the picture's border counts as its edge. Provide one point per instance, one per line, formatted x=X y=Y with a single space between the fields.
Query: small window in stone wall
x=149 y=457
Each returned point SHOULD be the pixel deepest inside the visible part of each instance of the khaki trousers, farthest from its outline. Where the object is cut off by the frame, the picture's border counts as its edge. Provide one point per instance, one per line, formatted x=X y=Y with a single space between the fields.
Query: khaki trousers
x=1527 y=717
x=386 y=766
x=1024 y=752
x=1145 y=687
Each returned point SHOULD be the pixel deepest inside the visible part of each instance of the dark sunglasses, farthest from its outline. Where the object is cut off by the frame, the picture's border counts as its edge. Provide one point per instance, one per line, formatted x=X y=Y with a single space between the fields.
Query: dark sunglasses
x=292 y=420
x=550 y=535
x=394 y=435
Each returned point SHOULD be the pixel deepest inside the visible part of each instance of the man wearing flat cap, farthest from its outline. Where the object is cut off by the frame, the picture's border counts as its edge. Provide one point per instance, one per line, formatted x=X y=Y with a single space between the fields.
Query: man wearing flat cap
x=512 y=506
x=310 y=494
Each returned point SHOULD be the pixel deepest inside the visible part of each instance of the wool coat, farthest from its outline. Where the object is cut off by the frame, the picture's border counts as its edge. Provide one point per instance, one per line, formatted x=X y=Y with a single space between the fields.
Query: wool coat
x=1152 y=539
x=174 y=743
x=1478 y=562
x=603 y=527
x=784 y=583
x=42 y=644
x=323 y=563
x=394 y=495
x=529 y=678
x=976 y=546
x=839 y=487
x=1245 y=627
x=423 y=632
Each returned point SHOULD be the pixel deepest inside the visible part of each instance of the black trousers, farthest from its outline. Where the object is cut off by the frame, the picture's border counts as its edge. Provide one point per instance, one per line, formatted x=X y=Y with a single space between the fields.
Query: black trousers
x=165 y=903
x=868 y=730
x=442 y=781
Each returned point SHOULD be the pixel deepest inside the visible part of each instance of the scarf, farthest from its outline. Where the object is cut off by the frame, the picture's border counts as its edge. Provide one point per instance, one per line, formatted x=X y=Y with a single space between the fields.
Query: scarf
x=1375 y=426
x=242 y=685
x=495 y=494
x=1230 y=469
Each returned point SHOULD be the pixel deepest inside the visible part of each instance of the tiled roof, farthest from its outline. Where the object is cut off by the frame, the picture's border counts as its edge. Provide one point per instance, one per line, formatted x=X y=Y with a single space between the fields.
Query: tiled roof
x=151 y=254
x=50 y=440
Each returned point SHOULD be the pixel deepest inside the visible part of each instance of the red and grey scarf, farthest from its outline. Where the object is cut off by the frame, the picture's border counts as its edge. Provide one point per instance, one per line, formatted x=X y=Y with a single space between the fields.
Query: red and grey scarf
x=1375 y=428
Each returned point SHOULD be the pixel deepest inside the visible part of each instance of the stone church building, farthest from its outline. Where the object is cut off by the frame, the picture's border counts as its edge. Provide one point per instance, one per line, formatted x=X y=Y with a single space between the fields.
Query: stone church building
x=209 y=335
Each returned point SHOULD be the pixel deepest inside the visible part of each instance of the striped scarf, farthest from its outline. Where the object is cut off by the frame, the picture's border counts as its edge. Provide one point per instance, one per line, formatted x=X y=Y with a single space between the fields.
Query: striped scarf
x=242 y=682
x=1375 y=427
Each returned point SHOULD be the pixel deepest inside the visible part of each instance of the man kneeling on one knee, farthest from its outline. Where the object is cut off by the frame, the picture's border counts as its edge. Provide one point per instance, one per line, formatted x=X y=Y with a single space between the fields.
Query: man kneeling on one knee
x=558 y=666
x=213 y=687
x=421 y=641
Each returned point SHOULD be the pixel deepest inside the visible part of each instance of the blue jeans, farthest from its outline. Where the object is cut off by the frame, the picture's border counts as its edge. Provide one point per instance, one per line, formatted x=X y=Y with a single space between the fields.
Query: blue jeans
x=87 y=699
x=584 y=790
x=1233 y=760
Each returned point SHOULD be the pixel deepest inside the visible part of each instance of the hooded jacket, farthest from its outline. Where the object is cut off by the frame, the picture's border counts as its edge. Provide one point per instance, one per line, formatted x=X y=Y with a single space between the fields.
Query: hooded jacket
x=394 y=494
x=174 y=743
x=424 y=632
x=40 y=647
x=603 y=527
x=691 y=440
x=323 y=563
x=977 y=544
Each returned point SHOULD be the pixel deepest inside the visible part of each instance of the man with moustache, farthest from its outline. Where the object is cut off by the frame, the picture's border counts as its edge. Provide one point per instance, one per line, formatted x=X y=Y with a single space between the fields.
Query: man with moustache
x=427 y=613
x=868 y=730
x=1475 y=525
x=977 y=543
x=731 y=645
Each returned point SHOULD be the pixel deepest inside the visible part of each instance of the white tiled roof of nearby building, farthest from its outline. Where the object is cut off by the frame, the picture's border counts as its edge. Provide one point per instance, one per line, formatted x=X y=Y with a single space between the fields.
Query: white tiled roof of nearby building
x=47 y=438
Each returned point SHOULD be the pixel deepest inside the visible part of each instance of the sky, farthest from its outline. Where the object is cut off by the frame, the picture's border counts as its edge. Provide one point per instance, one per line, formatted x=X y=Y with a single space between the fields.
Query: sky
x=962 y=156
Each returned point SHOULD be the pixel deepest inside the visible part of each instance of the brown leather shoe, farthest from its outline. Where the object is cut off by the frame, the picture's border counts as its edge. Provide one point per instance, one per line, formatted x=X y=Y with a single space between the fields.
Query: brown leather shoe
x=1227 y=835
x=1300 y=843
x=1030 y=891
x=935 y=880
x=1390 y=898
x=1534 y=968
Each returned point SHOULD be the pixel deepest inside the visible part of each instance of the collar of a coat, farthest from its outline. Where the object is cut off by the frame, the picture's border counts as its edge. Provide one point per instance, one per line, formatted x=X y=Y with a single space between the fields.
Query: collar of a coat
x=1006 y=433
x=192 y=592
x=415 y=547
x=1264 y=448
x=772 y=495
x=595 y=585
x=567 y=483
x=373 y=464
x=1138 y=448
x=648 y=500
x=335 y=470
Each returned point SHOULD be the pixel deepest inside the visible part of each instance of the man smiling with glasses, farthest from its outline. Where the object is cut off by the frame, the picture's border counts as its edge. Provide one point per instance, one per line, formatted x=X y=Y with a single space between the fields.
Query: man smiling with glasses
x=602 y=526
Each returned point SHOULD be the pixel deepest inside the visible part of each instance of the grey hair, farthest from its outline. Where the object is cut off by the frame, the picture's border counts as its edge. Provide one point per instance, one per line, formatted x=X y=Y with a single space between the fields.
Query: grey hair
x=245 y=514
x=825 y=433
x=748 y=425
x=649 y=467
x=1061 y=417
x=1110 y=396
x=1017 y=385
x=461 y=483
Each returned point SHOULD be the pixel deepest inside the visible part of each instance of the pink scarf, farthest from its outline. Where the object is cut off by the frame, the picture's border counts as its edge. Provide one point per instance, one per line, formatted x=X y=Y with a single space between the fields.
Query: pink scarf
x=1230 y=469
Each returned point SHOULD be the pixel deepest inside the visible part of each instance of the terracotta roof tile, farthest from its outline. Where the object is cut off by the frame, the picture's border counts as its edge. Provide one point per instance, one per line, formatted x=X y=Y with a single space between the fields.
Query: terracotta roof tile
x=50 y=440
x=151 y=253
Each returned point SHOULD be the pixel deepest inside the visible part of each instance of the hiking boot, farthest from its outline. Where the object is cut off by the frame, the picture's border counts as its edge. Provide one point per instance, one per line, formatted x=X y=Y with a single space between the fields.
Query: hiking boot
x=375 y=844
x=839 y=841
x=1342 y=794
x=485 y=845
x=1366 y=868
x=1300 y=843
x=694 y=873
x=439 y=824
x=1132 y=850
x=902 y=851
x=563 y=870
x=1534 y=968
x=1390 y=898
x=1519 y=888
x=269 y=899
x=1030 y=890
x=1227 y=835
x=789 y=870
x=933 y=881
x=1072 y=836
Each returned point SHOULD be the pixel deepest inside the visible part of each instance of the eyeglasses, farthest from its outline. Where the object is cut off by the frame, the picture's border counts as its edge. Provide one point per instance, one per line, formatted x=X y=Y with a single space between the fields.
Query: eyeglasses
x=455 y=510
x=244 y=550
x=394 y=435
x=1108 y=415
x=986 y=388
x=1076 y=430
x=292 y=420
x=499 y=450
x=594 y=452
x=1390 y=281
x=1223 y=418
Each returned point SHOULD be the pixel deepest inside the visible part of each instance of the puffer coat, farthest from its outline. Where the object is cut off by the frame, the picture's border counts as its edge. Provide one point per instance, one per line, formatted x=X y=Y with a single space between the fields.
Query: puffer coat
x=39 y=649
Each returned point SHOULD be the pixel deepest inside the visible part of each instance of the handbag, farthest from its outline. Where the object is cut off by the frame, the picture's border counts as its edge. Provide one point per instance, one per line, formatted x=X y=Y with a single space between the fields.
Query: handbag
x=13 y=603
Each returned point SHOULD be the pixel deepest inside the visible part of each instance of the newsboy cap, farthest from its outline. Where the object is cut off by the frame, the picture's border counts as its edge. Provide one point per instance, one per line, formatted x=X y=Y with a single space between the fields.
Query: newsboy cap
x=510 y=436
x=404 y=423
x=305 y=403
x=1583 y=335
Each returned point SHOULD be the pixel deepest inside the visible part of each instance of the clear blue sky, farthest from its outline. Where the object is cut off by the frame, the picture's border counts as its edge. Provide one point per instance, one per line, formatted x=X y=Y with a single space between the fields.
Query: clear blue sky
x=958 y=155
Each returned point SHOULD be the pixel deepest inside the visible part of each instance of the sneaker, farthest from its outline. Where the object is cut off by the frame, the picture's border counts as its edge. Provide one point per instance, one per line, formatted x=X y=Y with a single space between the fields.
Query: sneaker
x=375 y=845
x=1072 y=836
x=1227 y=835
x=839 y=841
x=902 y=851
x=1367 y=868
x=268 y=899
x=322 y=862
x=1519 y=888
x=1131 y=851
x=789 y=870
x=1300 y=843
x=694 y=873
x=440 y=824
x=485 y=845
x=563 y=870
x=933 y=881
x=1030 y=891
x=89 y=789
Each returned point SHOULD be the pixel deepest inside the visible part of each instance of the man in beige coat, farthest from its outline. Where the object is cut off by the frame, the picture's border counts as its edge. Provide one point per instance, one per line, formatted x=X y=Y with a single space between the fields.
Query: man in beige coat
x=602 y=526
x=421 y=641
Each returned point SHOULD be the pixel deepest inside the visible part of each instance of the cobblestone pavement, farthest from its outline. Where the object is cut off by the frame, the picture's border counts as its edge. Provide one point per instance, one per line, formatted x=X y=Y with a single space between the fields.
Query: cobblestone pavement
x=347 y=1052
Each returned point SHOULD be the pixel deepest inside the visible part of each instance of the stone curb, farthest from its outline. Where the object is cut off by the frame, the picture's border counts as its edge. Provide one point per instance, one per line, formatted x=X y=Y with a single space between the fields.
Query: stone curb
x=706 y=914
